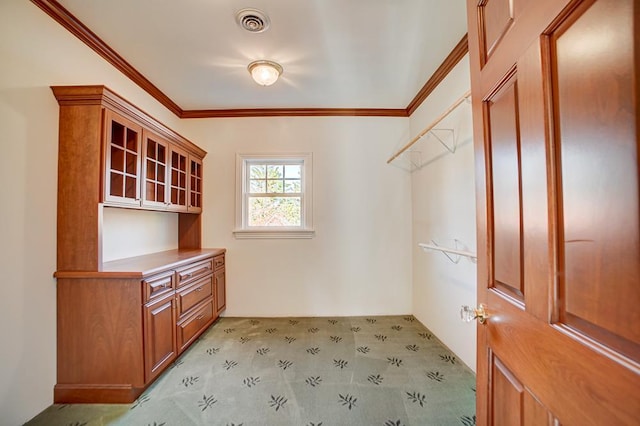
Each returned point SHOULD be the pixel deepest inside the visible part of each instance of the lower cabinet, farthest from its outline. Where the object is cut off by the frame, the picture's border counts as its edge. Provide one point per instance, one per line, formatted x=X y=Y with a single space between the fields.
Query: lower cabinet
x=119 y=328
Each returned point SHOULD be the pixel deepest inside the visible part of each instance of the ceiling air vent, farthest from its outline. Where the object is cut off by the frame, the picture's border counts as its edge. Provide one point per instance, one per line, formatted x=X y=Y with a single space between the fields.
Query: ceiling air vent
x=252 y=20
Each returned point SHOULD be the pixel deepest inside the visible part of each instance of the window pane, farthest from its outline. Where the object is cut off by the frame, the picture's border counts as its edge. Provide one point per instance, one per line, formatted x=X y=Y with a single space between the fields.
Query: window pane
x=275 y=187
x=292 y=171
x=292 y=186
x=274 y=211
x=258 y=186
x=274 y=171
x=257 y=171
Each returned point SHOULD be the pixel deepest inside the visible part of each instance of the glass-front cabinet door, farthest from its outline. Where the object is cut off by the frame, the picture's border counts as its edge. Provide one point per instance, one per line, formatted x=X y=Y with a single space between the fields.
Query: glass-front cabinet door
x=122 y=166
x=195 y=185
x=155 y=190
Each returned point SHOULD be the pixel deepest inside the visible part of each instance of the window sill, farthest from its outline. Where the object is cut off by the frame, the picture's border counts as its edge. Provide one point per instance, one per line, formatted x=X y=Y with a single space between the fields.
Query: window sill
x=242 y=234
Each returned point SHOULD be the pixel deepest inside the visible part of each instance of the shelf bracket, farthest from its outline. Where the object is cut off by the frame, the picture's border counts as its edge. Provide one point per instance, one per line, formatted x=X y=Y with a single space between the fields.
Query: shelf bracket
x=458 y=252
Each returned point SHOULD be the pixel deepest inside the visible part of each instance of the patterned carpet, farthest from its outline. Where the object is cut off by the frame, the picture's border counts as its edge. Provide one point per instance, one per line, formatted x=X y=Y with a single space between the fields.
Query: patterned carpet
x=387 y=371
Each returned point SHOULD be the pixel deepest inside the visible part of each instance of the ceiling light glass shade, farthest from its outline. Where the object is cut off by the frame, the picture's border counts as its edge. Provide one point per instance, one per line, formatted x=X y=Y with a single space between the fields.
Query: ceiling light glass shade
x=265 y=73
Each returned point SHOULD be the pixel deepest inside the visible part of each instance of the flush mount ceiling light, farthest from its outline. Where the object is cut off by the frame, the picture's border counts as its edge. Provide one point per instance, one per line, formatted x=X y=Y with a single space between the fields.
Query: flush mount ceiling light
x=265 y=73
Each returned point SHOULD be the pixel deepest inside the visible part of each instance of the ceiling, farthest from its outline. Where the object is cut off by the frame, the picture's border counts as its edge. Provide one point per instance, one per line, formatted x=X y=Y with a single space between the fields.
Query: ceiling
x=335 y=53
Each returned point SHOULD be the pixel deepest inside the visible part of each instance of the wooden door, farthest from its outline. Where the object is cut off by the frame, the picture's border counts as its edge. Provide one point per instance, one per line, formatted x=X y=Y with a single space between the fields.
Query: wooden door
x=555 y=91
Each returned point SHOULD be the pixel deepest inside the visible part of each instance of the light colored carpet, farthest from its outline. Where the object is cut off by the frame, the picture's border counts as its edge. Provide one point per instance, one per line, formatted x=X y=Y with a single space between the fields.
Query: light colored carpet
x=386 y=371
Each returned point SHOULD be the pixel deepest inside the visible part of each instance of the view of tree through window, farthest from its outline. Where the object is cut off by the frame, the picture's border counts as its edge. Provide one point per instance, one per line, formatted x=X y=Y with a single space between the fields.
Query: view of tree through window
x=275 y=195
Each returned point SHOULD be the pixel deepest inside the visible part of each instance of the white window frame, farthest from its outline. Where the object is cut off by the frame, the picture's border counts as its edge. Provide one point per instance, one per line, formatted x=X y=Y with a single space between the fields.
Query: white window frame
x=243 y=230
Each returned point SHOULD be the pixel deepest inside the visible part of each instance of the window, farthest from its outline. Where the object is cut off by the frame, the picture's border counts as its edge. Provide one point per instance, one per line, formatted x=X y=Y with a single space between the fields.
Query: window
x=273 y=196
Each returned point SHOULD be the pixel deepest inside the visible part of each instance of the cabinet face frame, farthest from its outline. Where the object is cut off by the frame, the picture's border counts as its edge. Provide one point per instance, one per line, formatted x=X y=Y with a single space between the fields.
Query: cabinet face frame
x=109 y=119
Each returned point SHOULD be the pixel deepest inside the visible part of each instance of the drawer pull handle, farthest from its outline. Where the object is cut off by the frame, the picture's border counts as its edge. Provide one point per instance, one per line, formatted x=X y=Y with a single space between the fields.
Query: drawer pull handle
x=199 y=317
x=187 y=276
x=199 y=288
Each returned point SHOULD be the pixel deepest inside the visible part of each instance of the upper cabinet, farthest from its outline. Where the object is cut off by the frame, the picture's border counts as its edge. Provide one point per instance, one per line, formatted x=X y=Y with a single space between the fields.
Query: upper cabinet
x=113 y=154
x=146 y=165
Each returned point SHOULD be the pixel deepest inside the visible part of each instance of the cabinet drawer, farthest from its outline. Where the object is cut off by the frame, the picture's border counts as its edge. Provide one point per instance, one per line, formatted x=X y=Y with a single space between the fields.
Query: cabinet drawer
x=218 y=262
x=191 y=295
x=192 y=327
x=194 y=271
x=158 y=285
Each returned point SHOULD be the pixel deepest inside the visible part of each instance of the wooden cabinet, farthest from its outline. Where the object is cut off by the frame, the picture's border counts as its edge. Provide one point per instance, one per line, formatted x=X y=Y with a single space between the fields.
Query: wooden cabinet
x=144 y=164
x=121 y=323
x=120 y=327
x=110 y=153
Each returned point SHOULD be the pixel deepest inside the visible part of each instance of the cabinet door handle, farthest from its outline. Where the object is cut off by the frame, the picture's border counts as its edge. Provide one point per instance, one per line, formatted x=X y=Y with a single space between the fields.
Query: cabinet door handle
x=199 y=317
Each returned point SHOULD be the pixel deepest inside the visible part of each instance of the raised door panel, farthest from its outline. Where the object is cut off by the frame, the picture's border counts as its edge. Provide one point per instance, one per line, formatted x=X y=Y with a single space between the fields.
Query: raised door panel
x=595 y=98
x=160 y=336
x=512 y=403
x=504 y=154
x=123 y=140
x=155 y=171
x=496 y=17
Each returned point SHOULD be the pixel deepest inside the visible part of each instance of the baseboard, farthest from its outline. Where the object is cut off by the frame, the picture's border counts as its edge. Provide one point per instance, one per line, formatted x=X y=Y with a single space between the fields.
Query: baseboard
x=82 y=393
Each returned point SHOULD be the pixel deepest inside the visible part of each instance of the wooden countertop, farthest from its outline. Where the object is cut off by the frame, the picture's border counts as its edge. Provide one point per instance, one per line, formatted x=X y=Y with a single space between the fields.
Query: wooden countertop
x=145 y=265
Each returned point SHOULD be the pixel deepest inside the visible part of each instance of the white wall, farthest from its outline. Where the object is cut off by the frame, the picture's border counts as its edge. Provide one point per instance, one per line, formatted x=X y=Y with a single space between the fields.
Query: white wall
x=36 y=52
x=443 y=206
x=128 y=233
x=359 y=262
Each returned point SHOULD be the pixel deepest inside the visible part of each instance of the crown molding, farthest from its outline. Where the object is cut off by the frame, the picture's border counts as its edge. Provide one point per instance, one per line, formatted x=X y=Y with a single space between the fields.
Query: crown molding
x=443 y=70
x=295 y=112
x=88 y=37
x=65 y=18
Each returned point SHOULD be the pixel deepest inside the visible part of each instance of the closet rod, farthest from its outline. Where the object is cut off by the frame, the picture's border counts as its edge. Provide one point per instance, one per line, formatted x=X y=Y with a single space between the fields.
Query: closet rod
x=448 y=250
x=430 y=126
